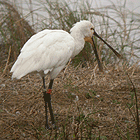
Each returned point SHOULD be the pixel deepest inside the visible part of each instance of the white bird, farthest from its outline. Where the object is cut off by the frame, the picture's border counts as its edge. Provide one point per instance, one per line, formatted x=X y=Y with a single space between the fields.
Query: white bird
x=48 y=52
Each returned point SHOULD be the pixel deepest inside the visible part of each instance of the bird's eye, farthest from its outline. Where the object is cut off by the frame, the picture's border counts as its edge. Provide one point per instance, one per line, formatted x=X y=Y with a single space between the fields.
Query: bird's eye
x=91 y=28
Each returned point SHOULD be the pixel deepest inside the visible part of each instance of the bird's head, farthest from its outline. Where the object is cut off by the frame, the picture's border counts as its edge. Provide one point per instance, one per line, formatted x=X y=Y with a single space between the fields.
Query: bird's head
x=88 y=32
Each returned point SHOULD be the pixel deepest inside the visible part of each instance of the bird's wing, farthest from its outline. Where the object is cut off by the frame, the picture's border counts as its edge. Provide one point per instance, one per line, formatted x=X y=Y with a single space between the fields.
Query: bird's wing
x=35 y=41
x=43 y=52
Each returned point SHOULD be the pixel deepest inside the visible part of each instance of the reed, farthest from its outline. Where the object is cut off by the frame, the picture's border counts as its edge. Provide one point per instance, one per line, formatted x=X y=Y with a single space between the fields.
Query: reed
x=108 y=103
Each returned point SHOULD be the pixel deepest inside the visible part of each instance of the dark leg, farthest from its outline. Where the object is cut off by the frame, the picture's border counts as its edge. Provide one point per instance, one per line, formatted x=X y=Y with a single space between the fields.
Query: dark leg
x=49 y=102
x=47 y=99
x=46 y=104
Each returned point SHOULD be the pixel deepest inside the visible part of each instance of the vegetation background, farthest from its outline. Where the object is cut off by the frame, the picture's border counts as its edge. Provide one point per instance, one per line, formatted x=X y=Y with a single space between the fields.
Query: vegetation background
x=87 y=104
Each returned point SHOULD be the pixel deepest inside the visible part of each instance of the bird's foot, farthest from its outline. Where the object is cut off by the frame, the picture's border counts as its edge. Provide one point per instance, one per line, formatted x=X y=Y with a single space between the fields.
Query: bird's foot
x=47 y=127
x=50 y=128
x=54 y=126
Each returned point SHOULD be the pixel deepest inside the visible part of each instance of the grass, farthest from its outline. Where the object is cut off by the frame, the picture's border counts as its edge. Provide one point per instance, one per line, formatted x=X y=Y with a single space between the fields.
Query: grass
x=62 y=15
x=23 y=115
x=14 y=31
x=108 y=103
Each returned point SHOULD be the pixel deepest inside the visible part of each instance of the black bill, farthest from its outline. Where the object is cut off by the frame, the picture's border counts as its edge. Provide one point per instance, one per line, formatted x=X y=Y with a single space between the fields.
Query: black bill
x=116 y=53
x=96 y=54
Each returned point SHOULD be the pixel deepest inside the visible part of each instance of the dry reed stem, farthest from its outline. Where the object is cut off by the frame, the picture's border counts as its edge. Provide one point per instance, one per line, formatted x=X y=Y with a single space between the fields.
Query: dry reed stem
x=22 y=105
x=137 y=108
x=7 y=62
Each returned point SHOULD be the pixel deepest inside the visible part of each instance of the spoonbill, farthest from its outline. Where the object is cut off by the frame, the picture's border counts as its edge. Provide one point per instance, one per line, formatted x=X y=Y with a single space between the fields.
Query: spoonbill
x=48 y=52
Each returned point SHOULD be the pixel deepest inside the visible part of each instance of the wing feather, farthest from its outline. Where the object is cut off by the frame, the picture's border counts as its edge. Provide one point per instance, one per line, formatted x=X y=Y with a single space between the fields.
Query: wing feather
x=44 y=51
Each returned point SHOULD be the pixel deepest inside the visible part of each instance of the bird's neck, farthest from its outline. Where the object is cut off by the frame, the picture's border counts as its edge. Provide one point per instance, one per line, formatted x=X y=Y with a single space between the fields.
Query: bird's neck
x=79 y=42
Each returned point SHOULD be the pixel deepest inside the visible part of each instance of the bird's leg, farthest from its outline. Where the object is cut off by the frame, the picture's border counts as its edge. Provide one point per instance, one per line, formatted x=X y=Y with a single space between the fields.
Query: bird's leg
x=47 y=99
x=49 y=102
x=46 y=103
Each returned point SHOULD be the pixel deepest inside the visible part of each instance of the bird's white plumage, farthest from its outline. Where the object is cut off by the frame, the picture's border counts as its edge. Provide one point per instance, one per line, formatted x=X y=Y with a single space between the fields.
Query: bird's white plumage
x=44 y=52
x=49 y=50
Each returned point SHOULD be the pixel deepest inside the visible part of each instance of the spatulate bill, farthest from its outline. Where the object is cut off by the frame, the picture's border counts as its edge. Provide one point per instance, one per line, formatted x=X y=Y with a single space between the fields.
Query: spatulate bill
x=115 y=52
x=97 y=56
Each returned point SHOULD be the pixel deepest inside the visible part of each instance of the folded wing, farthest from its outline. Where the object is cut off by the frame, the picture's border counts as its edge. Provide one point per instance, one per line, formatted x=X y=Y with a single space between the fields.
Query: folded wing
x=44 y=52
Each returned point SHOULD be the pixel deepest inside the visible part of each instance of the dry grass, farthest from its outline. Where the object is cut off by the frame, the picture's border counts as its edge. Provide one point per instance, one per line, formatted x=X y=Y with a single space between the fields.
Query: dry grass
x=14 y=31
x=86 y=103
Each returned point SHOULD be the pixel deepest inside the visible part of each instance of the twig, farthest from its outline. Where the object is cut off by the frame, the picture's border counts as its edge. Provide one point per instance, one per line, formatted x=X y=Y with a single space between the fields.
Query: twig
x=9 y=53
x=132 y=114
x=137 y=113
